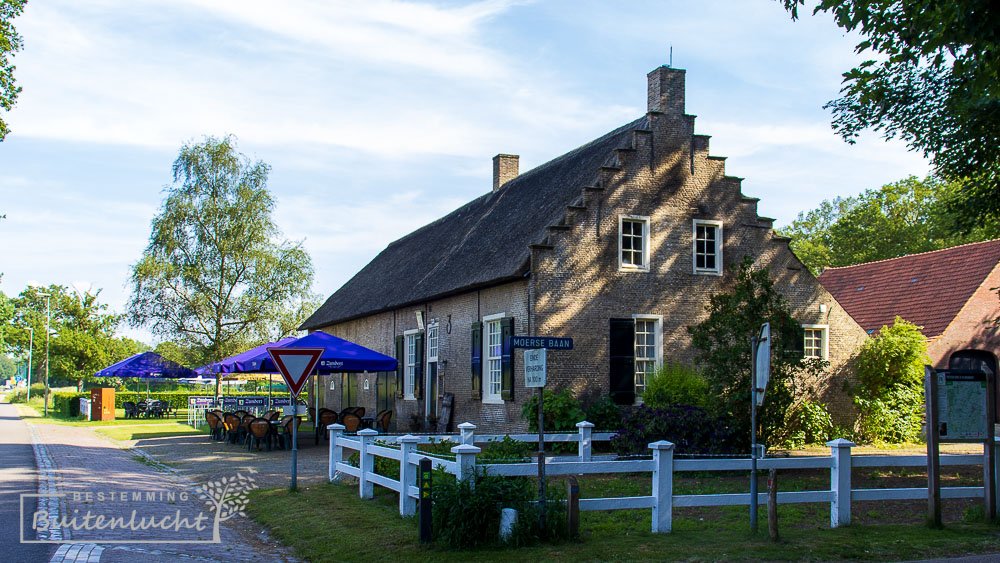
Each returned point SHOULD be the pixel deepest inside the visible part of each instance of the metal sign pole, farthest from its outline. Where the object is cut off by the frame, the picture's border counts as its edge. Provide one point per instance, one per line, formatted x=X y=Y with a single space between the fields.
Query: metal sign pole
x=753 y=434
x=295 y=441
x=541 y=462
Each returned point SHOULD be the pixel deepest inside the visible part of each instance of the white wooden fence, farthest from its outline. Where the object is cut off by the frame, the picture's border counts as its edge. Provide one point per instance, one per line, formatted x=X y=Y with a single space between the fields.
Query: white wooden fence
x=840 y=462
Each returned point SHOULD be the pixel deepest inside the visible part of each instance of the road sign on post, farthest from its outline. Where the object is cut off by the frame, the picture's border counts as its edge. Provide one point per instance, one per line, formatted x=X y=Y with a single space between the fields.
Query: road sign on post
x=763 y=362
x=534 y=368
x=295 y=365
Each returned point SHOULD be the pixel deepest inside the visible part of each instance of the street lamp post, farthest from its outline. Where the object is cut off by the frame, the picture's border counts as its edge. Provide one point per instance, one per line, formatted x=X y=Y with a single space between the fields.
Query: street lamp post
x=48 y=317
x=31 y=343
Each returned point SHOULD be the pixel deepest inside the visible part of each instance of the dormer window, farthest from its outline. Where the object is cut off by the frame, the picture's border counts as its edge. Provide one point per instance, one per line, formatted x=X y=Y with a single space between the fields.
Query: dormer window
x=633 y=243
x=706 y=252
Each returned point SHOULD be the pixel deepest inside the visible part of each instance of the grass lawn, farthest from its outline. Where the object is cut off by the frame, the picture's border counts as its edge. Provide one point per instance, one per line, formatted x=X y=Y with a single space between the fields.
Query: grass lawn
x=327 y=522
x=33 y=413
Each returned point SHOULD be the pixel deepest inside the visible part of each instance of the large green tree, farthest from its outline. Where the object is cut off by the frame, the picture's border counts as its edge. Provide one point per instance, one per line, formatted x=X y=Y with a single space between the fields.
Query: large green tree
x=216 y=274
x=933 y=80
x=724 y=356
x=10 y=43
x=82 y=337
x=904 y=217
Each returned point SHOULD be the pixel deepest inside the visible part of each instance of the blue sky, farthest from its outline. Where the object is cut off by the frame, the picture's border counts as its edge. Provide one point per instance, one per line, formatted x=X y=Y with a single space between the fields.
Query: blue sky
x=377 y=117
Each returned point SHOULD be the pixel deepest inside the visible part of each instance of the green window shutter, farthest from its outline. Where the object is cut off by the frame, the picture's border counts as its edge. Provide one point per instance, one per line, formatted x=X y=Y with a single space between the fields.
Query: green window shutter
x=621 y=351
x=418 y=368
x=477 y=360
x=506 y=359
x=400 y=363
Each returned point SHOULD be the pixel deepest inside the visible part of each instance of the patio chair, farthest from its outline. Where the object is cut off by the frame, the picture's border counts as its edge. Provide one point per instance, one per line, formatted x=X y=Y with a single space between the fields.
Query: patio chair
x=154 y=409
x=382 y=421
x=350 y=421
x=245 y=421
x=214 y=425
x=241 y=413
x=268 y=414
x=168 y=409
x=231 y=423
x=131 y=410
x=285 y=434
x=326 y=418
x=274 y=416
x=312 y=414
x=260 y=431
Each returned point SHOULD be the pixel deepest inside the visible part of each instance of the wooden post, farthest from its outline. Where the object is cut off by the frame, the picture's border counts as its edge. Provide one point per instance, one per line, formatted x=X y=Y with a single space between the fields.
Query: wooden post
x=772 y=504
x=366 y=489
x=573 y=506
x=336 y=450
x=426 y=494
x=840 y=482
x=663 y=486
x=407 y=474
x=933 y=460
x=541 y=462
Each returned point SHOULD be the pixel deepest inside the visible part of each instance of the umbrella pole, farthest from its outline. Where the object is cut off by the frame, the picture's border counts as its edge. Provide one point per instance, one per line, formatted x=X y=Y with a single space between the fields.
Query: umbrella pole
x=269 y=390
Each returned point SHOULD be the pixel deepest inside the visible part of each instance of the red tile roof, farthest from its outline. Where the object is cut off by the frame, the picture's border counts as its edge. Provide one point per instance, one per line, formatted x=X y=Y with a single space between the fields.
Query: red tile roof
x=927 y=289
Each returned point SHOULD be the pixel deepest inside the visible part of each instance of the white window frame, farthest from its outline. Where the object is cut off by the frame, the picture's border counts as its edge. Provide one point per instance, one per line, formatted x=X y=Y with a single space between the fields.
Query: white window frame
x=622 y=266
x=658 y=348
x=409 y=345
x=717 y=270
x=488 y=396
x=824 y=345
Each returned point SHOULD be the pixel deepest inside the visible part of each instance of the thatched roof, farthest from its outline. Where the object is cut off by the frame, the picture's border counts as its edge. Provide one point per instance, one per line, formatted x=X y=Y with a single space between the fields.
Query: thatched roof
x=485 y=242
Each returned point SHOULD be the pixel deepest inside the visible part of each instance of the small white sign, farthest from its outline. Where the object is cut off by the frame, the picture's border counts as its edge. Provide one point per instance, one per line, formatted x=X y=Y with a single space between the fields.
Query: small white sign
x=534 y=368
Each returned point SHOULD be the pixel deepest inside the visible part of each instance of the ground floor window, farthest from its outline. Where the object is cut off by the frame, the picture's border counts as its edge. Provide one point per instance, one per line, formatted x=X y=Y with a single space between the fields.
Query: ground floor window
x=635 y=352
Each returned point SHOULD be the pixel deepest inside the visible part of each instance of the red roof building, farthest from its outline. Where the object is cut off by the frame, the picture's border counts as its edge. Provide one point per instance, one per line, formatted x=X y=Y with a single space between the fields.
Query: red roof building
x=951 y=293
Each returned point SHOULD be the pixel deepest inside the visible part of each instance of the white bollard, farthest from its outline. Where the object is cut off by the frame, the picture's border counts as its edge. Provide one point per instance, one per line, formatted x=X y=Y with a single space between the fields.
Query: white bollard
x=508 y=519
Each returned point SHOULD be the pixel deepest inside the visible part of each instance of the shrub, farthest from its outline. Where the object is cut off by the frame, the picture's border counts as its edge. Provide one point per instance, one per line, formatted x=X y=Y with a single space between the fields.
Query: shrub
x=894 y=417
x=890 y=397
x=604 y=414
x=466 y=513
x=442 y=448
x=67 y=404
x=676 y=384
x=809 y=423
x=691 y=429
x=562 y=411
x=21 y=395
x=507 y=450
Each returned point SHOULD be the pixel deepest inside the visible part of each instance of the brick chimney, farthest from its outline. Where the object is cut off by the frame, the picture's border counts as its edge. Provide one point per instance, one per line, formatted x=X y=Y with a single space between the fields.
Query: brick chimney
x=504 y=169
x=666 y=90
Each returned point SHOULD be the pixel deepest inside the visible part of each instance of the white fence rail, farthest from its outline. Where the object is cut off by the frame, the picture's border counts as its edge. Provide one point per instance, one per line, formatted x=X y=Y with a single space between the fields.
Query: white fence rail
x=840 y=462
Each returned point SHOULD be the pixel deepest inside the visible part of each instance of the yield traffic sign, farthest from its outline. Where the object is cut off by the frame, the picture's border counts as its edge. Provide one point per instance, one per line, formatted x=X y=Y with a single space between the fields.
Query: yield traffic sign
x=295 y=365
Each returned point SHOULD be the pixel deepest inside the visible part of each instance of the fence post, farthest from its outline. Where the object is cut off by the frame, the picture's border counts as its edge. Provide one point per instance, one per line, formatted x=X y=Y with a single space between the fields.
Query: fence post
x=465 y=455
x=407 y=475
x=336 y=450
x=367 y=463
x=840 y=482
x=467 y=429
x=586 y=428
x=663 y=486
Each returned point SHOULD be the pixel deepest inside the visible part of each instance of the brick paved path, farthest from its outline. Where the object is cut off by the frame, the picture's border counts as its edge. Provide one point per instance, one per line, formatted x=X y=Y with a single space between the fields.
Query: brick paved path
x=75 y=461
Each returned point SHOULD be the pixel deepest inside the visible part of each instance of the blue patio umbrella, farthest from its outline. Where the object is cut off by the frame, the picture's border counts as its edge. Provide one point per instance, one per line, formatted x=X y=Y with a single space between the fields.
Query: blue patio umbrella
x=227 y=365
x=339 y=355
x=146 y=365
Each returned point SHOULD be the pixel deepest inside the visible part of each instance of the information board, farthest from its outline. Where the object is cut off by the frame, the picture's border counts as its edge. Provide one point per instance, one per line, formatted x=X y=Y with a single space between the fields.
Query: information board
x=961 y=405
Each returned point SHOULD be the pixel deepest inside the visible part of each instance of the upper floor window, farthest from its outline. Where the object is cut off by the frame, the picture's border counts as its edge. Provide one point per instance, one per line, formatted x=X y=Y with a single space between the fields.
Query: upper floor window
x=633 y=242
x=707 y=249
x=816 y=344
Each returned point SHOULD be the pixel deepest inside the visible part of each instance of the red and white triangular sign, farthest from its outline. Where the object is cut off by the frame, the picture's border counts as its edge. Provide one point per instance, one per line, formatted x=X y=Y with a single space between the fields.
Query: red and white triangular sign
x=295 y=365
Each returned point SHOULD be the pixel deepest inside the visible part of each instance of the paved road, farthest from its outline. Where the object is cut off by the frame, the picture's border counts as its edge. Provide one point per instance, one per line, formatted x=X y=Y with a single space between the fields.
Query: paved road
x=17 y=475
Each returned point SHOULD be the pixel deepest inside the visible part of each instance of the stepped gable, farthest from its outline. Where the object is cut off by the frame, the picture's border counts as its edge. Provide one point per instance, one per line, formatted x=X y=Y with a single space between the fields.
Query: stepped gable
x=480 y=244
x=927 y=289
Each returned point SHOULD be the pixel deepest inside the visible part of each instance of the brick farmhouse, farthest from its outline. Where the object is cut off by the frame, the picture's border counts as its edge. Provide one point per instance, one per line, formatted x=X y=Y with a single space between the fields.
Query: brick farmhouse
x=617 y=244
x=951 y=294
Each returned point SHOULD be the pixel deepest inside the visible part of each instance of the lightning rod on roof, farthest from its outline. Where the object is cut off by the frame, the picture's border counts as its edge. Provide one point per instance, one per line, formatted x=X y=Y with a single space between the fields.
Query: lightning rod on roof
x=671 y=63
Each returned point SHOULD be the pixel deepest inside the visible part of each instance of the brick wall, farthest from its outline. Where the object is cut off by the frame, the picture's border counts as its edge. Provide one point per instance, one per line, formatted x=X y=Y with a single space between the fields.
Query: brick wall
x=576 y=284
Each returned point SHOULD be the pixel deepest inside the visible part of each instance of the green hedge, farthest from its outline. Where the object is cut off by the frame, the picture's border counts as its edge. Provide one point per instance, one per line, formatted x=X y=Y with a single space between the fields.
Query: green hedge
x=179 y=399
x=67 y=404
